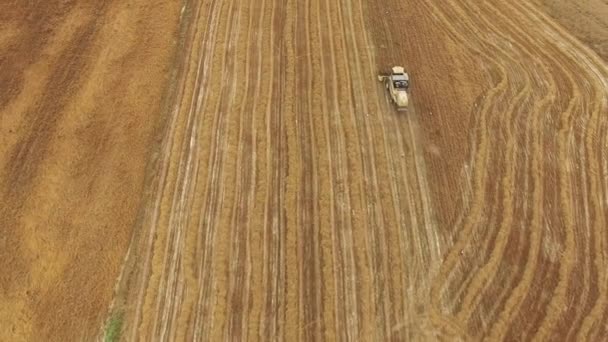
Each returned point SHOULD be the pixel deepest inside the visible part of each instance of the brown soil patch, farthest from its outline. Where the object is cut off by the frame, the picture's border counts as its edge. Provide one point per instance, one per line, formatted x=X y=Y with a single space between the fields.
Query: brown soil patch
x=80 y=96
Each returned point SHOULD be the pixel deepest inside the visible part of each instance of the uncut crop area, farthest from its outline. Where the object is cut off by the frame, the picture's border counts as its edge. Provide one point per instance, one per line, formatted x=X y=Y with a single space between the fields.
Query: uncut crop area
x=286 y=199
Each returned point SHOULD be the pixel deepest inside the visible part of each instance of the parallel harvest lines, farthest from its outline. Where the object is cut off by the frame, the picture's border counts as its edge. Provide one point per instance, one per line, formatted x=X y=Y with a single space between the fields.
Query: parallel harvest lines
x=293 y=203
x=201 y=281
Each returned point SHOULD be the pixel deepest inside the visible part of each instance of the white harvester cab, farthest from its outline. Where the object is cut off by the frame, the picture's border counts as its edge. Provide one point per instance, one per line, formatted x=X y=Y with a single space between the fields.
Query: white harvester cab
x=397 y=84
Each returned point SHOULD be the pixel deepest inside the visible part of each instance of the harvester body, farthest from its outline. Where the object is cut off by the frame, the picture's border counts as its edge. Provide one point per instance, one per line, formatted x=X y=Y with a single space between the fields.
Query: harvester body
x=397 y=84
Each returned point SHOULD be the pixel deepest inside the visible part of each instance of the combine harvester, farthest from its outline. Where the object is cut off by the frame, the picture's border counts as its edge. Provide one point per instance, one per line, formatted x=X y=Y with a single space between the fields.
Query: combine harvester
x=397 y=84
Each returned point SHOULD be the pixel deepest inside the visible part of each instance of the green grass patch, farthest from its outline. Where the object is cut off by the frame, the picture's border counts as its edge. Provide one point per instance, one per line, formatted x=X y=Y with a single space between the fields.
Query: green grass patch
x=114 y=327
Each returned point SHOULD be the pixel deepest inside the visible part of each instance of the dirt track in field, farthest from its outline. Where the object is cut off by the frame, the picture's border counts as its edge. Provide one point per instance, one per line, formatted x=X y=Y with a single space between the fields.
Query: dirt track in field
x=291 y=202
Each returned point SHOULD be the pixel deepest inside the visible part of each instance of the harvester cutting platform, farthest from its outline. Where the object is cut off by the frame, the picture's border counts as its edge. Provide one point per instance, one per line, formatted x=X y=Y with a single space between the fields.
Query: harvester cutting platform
x=397 y=84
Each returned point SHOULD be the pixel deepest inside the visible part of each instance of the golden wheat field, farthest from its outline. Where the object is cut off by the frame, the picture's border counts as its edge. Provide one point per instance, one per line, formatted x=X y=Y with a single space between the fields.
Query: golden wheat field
x=203 y=170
